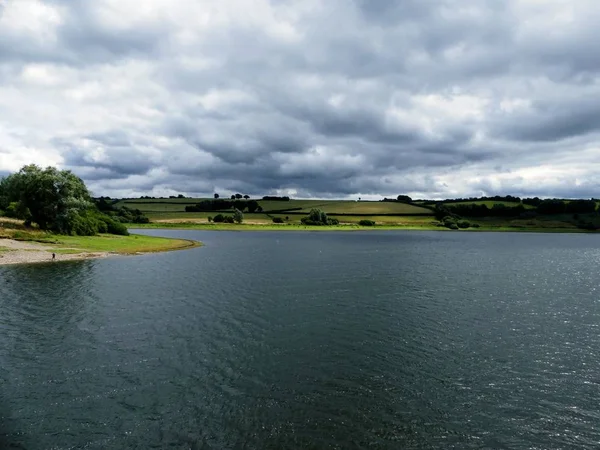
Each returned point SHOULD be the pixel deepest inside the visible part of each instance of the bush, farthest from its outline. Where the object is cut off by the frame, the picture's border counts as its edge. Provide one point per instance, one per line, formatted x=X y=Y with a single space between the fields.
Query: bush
x=277 y=220
x=102 y=226
x=449 y=221
x=219 y=218
x=590 y=225
x=112 y=226
x=117 y=228
x=82 y=225
x=475 y=225
x=141 y=219
x=228 y=219
x=238 y=217
x=453 y=226
x=318 y=217
x=367 y=223
x=463 y=224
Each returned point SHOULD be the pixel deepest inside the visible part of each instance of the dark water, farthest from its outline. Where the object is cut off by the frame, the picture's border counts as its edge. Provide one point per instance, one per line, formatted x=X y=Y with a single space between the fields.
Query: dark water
x=308 y=340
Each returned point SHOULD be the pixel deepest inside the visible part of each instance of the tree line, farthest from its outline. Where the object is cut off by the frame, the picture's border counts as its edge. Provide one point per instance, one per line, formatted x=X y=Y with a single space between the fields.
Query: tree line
x=543 y=207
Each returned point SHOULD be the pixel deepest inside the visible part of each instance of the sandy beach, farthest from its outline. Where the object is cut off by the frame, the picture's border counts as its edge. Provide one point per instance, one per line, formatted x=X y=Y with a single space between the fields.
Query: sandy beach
x=17 y=252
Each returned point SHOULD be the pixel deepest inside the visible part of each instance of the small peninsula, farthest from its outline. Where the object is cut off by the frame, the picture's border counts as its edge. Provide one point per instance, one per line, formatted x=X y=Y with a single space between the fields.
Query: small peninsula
x=47 y=215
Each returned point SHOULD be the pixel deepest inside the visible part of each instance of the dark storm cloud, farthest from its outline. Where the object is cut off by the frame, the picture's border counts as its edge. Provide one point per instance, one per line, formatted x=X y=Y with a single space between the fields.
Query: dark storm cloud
x=554 y=120
x=339 y=98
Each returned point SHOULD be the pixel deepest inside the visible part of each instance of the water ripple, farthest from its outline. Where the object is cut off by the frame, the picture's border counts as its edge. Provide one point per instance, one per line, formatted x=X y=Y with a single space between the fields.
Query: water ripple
x=361 y=340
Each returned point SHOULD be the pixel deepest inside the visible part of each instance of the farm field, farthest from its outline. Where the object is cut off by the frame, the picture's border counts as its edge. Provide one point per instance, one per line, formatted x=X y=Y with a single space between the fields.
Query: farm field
x=352 y=207
x=153 y=206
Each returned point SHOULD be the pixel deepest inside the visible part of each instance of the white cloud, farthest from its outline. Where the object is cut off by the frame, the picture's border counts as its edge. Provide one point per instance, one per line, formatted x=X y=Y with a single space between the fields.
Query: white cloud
x=332 y=99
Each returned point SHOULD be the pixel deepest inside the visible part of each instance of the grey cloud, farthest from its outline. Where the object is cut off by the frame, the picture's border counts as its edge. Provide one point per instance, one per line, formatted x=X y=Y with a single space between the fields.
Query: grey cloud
x=553 y=120
x=248 y=104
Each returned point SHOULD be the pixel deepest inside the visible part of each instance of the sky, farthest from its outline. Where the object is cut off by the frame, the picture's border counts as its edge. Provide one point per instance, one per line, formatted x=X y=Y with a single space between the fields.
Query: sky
x=336 y=99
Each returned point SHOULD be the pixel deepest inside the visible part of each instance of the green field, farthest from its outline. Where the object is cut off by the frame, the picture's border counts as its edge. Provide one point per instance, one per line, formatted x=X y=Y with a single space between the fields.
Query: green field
x=153 y=206
x=371 y=208
x=121 y=244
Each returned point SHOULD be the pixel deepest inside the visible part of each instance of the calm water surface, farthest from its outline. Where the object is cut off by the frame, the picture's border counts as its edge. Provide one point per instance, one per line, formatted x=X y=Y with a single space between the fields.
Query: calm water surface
x=308 y=340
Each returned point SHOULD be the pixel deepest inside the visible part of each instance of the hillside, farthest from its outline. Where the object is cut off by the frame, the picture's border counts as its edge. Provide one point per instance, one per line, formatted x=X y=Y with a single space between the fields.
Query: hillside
x=332 y=207
x=486 y=213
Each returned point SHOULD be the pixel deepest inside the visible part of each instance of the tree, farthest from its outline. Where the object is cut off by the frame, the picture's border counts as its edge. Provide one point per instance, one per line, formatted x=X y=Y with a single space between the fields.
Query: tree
x=238 y=196
x=318 y=217
x=53 y=197
x=238 y=216
x=404 y=199
x=252 y=206
x=56 y=200
x=232 y=196
x=246 y=196
x=181 y=196
x=216 y=195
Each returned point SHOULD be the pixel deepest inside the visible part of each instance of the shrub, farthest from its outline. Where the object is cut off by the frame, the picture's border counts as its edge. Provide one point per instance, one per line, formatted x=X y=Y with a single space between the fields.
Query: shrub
x=141 y=219
x=112 y=226
x=117 y=228
x=463 y=224
x=449 y=222
x=238 y=216
x=277 y=220
x=367 y=223
x=475 y=225
x=210 y=219
x=228 y=219
x=82 y=225
x=102 y=227
x=453 y=226
x=318 y=217
x=219 y=218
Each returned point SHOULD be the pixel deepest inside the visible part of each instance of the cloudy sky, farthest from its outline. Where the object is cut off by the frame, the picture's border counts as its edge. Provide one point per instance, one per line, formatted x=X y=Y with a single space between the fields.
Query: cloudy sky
x=313 y=98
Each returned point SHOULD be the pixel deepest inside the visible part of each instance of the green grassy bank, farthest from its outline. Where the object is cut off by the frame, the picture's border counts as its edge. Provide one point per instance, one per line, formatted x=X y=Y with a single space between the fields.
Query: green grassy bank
x=108 y=243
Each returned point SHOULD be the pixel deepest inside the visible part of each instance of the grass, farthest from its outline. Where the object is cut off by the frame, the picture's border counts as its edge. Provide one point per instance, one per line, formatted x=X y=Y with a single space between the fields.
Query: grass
x=122 y=244
x=102 y=243
x=158 y=206
x=371 y=208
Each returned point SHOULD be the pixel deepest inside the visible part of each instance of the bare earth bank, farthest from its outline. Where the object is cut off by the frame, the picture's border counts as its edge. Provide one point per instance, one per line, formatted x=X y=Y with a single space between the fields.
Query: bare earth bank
x=17 y=252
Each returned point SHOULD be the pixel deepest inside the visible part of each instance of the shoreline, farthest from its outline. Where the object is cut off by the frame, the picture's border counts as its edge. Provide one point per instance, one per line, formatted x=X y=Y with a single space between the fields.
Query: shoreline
x=22 y=252
x=17 y=252
x=346 y=228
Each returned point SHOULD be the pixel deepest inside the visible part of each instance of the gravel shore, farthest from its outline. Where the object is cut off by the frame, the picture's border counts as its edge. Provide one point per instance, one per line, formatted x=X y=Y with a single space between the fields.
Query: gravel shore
x=17 y=252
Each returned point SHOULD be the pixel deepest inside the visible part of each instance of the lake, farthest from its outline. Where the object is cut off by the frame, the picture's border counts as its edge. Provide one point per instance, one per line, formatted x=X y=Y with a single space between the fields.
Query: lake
x=266 y=340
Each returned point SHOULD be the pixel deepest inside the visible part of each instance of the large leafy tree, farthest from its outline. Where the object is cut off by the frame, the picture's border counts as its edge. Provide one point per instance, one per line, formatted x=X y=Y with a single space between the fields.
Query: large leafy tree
x=56 y=200
x=53 y=197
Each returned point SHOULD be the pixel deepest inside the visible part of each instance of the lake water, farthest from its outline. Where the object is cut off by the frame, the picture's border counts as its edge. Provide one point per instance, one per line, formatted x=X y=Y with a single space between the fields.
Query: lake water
x=308 y=340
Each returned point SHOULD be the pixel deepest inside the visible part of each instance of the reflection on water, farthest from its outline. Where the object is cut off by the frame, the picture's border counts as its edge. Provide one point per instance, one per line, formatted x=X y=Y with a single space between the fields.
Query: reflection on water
x=307 y=340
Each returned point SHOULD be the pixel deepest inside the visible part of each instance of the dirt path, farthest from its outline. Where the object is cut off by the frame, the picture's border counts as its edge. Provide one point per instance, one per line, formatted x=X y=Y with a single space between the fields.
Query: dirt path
x=17 y=252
